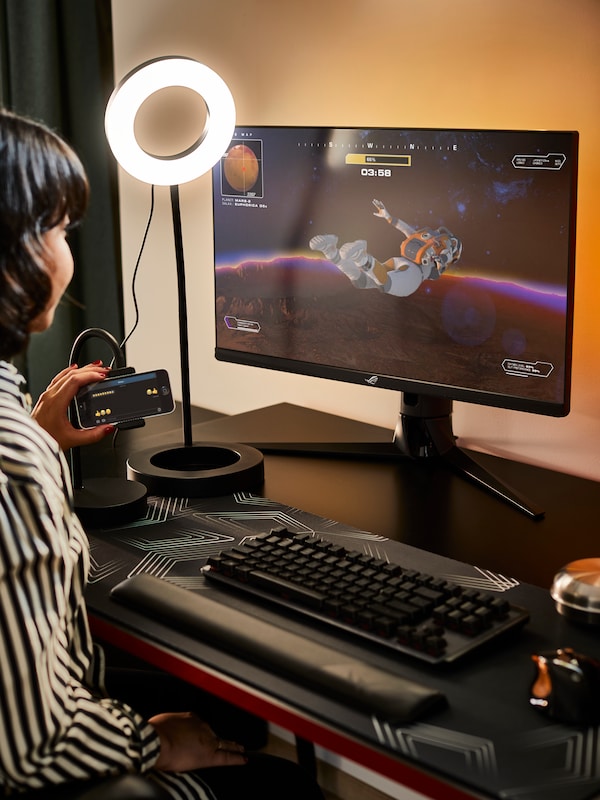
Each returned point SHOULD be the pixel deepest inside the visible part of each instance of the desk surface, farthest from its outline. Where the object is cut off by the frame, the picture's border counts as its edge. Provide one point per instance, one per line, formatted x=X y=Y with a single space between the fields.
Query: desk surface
x=489 y=743
x=419 y=504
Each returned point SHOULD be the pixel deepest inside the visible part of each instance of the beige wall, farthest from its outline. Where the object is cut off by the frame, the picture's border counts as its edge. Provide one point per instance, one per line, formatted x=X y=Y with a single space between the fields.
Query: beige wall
x=463 y=63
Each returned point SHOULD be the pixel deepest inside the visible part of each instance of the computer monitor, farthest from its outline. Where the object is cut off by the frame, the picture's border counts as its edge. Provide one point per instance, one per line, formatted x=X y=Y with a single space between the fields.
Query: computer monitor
x=438 y=263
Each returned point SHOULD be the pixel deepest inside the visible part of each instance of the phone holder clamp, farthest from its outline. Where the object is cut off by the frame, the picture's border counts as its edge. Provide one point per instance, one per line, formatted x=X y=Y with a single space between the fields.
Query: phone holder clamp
x=105 y=501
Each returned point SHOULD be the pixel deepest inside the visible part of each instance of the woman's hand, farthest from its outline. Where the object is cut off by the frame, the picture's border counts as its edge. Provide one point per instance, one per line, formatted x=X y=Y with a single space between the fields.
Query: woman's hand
x=188 y=743
x=51 y=410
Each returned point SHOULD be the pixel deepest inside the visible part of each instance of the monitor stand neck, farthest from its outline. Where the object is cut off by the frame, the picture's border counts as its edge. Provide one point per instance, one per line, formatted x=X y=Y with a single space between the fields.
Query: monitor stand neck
x=423 y=433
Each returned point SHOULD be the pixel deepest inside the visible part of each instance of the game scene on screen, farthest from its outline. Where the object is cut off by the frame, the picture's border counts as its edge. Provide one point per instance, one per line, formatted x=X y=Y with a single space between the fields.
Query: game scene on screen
x=441 y=257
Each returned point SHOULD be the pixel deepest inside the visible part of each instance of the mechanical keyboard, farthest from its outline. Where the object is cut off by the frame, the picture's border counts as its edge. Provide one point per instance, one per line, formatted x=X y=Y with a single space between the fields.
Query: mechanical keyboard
x=404 y=610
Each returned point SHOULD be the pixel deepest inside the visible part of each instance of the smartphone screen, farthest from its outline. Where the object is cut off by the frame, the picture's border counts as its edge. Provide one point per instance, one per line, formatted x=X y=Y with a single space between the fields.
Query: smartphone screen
x=124 y=398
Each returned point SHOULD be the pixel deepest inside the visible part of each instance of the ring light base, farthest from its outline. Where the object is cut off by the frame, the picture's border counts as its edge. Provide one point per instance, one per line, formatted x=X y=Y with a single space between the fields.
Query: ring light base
x=208 y=469
x=109 y=502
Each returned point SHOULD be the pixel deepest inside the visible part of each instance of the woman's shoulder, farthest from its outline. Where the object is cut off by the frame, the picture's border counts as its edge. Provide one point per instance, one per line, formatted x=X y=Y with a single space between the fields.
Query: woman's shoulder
x=23 y=443
x=28 y=454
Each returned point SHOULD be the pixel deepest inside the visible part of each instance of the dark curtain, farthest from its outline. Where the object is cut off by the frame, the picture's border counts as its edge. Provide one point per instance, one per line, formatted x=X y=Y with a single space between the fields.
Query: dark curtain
x=56 y=66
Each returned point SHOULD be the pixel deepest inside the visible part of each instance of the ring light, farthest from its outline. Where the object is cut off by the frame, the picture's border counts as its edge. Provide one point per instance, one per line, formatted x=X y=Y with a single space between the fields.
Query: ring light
x=194 y=470
x=136 y=88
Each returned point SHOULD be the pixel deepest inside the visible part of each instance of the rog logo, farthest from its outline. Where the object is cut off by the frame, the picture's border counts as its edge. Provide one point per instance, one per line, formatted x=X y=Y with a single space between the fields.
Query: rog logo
x=372 y=381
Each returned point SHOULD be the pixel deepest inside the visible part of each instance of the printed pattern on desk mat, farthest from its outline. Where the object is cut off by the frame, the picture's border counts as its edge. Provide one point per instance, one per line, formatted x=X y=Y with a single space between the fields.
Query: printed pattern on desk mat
x=177 y=536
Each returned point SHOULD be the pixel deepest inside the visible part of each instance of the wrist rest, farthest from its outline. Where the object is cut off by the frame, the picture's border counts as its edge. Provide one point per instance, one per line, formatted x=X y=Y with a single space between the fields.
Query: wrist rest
x=344 y=678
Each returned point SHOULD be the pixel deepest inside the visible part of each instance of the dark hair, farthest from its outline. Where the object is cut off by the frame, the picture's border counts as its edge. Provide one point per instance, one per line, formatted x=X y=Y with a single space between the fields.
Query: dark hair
x=42 y=181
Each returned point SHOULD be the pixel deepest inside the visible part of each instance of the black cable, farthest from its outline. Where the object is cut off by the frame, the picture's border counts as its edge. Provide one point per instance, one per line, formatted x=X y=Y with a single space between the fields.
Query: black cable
x=133 y=292
x=135 y=271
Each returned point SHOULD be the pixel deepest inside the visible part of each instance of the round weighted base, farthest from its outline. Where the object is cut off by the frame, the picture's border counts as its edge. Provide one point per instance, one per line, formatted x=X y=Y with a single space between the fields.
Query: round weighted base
x=207 y=469
x=109 y=501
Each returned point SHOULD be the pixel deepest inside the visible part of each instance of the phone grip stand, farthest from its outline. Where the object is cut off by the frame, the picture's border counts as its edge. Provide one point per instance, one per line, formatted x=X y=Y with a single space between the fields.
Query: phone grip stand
x=133 y=423
x=105 y=501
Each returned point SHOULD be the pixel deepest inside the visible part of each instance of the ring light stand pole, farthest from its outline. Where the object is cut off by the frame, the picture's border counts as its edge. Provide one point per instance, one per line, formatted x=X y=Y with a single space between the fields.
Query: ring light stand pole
x=184 y=348
x=209 y=468
x=194 y=470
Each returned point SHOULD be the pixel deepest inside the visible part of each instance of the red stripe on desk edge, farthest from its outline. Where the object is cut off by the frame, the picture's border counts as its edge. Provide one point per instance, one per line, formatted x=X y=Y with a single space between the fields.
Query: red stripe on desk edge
x=271 y=710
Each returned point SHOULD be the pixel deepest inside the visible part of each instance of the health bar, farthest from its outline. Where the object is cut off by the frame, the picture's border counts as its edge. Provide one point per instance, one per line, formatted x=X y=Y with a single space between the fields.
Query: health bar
x=379 y=160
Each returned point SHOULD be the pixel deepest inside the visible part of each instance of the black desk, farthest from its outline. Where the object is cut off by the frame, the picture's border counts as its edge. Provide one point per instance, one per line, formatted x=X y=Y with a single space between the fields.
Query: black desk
x=489 y=743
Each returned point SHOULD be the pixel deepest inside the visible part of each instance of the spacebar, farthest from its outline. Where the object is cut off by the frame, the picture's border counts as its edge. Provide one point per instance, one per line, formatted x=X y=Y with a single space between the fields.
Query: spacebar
x=356 y=683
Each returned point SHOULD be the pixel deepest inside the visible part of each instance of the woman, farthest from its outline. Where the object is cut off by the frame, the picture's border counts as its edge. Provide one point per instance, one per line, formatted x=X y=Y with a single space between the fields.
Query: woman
x=57 y=723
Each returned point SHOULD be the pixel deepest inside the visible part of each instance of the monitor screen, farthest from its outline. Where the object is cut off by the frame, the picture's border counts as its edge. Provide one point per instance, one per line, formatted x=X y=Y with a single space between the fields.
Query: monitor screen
x=434 y=262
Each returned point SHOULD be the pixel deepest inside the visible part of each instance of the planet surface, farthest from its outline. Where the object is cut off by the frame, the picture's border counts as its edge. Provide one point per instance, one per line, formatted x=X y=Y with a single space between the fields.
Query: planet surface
x=241 y=168
x=456 y=329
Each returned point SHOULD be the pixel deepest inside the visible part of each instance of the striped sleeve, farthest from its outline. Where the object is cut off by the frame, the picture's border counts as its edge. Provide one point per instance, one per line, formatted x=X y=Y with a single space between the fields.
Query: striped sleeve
x=56 y=725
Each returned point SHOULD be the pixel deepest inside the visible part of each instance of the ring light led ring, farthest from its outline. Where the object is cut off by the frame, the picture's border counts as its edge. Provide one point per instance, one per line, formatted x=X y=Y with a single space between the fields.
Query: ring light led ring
x=142 y=82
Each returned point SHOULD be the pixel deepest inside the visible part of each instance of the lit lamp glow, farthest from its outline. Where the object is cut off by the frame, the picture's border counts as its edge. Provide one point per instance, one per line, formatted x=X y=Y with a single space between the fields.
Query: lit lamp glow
x=191 y=470
x=136 y=88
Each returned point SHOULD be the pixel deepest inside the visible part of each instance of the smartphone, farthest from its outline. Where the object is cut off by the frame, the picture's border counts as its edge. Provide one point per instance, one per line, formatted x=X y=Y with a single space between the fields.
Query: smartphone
x=124 y=398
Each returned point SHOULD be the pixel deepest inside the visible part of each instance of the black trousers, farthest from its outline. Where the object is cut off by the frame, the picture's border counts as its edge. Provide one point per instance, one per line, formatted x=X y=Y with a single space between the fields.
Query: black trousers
x=264 y=777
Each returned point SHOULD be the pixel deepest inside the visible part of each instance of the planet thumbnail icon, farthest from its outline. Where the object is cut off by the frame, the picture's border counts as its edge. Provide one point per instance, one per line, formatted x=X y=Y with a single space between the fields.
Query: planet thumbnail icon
x=241 y=168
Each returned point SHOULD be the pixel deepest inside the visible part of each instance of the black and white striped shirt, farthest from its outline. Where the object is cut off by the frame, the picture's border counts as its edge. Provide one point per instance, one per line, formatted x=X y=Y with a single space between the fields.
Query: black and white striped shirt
x=56 y=724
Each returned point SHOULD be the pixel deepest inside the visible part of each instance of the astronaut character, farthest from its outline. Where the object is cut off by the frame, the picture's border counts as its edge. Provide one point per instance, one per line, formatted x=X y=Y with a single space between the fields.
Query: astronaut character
x=425 y=254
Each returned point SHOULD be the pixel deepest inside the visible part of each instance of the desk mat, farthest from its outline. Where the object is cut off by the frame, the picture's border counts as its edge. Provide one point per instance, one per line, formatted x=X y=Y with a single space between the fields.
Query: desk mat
x=489 y=739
